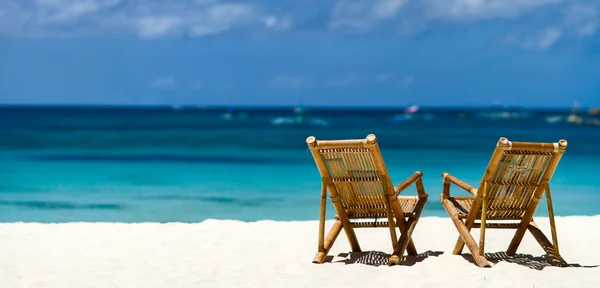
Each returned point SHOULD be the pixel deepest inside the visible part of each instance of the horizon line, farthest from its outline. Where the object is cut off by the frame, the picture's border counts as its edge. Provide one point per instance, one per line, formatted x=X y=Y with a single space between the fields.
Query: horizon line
x=318 y=107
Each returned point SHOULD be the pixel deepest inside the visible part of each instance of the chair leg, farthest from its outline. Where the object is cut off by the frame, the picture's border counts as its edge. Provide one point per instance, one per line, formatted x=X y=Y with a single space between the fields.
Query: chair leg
x=328 y=243
x=459 y=246
x=518 y=237
x=516 y=241
x=410 y=248
x=403 y=242
x=553 y=258
x=351 y=237
x=551 y=217
x=465 y=235
x=460 y=243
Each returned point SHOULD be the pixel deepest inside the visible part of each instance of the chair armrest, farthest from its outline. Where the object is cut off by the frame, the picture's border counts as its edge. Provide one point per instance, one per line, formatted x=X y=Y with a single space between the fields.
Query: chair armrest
x=414 y=178
x=451 y=179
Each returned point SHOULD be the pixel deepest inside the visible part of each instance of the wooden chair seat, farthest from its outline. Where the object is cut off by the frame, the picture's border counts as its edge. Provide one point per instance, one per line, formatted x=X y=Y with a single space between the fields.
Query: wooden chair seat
x=407 y=203
x=463 y=206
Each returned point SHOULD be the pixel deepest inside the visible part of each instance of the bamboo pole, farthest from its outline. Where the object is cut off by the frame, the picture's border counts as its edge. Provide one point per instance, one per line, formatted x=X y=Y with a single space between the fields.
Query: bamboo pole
x=552 y=223
x=391 y=225
x=406 y=234
x=554 y=259
x=483 y=219
x=375 y=153
x=331 y=236
x=401 y=222
x=533 y=146
x=340 y=143
x=465 y=235
x=322 y=216
x=447 y=178
x=409 y=181
x=350 y=234
x=400 y=219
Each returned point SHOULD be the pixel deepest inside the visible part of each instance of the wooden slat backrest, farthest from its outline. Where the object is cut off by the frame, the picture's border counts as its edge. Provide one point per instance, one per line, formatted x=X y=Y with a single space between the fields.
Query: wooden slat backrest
x=356 y=170
x=517 y=172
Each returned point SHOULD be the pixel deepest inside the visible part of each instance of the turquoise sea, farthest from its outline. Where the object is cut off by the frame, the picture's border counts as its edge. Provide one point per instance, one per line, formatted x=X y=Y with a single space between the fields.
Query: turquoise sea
x=65 y=164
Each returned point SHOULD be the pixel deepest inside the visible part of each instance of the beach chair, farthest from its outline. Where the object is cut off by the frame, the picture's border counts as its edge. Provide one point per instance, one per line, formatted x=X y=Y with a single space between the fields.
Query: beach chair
x=512 y=186
x=354 y=174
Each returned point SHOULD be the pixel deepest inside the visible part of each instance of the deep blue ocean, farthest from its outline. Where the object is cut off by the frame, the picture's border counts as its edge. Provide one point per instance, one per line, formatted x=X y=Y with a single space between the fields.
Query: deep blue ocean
x=65 y=164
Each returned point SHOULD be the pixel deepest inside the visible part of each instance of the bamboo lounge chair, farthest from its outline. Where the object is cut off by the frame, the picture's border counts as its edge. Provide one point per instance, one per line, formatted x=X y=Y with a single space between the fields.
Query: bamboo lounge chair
x=511 y=188
x=354 y=174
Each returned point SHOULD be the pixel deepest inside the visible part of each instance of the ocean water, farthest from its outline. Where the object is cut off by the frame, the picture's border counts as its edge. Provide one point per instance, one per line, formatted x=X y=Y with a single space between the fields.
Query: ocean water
x=66 y=164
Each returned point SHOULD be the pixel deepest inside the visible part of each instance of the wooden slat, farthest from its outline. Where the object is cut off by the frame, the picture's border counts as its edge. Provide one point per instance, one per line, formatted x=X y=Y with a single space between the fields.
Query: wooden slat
x=497 y=225
x=532 y=147
x=370 y=224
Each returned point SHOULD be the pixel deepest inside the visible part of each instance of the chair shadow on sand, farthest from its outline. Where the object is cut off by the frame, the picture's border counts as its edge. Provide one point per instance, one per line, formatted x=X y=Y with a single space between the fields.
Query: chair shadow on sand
x=526 y=260
x=378 y=258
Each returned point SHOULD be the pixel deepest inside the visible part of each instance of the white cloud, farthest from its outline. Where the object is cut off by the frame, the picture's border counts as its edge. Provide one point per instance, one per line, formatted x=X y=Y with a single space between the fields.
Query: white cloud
x=151 y=27
x=275 y=23
x=540 y=40
x=146 y=18
x=362 y=15
x=199 y=18
x=219 y=18
x=573 y=21
x=204 y=2
x=164 y=82
x=385 y=9
x=544 y=40
x=548 y=38
x=227 y=12
x=58 y=11
x=209 y=20
x=468 y=10
x=567 y=22
x=270 y=21
x=583 y=19
x=295 y=82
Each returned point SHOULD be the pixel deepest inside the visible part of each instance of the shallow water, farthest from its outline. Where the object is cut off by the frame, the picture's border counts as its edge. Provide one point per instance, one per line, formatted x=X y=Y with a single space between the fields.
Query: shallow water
x=191 y=164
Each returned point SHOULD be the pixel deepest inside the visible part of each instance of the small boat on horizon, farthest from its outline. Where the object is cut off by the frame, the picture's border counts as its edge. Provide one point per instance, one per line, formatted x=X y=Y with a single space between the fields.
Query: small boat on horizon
x=299 y=119
x=498 y=111
x=574 y=116
x=410 y=113
x=231 y=114
x=554 y=119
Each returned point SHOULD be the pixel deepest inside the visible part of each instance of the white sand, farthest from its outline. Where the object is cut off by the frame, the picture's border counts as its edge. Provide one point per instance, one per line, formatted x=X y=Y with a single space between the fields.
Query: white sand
x=276 y=254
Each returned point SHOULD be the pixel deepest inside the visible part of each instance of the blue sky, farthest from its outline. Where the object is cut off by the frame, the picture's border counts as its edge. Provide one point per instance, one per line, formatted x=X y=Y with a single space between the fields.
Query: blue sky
x=311 y=52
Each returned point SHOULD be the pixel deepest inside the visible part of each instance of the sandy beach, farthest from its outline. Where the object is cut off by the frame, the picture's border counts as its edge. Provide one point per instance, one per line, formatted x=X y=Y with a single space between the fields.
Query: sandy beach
x=222 y=253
